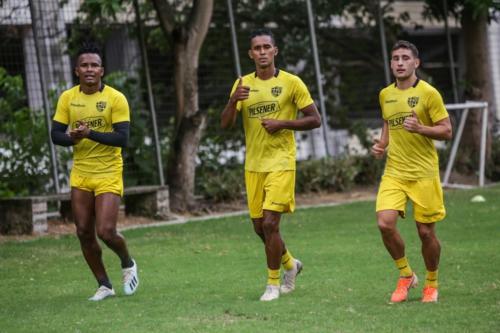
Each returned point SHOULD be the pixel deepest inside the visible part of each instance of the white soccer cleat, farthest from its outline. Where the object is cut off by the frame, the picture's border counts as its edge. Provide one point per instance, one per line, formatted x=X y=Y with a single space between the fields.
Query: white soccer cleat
x=130 y=279
x=101 y=293
x=289 y=277
x=272 y=292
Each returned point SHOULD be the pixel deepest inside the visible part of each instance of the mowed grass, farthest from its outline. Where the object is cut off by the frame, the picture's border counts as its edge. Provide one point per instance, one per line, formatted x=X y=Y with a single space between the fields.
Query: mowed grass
x=208 y=276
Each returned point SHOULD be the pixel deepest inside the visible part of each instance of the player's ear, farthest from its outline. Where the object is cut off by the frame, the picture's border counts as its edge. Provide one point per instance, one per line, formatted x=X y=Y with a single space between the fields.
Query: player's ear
x=417 y=62
x=76 y=72
x=250 y=54
x=275 y=50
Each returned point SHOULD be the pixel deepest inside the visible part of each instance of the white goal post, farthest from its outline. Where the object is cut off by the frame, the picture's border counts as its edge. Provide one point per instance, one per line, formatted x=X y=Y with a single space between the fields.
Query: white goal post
x=465 y=108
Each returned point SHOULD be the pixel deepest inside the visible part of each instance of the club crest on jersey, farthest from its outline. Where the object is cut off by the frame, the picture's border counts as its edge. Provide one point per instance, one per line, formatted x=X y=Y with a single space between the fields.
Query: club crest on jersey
x=412 y=101
x=100 y=106
x=276 y=91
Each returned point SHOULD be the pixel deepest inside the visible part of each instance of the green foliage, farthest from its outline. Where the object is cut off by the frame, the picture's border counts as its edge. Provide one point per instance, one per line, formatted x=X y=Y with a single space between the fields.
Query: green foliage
x=139 y=156
x=24 y=161
x=219 y=174
x=493 y=167
x=327 y=174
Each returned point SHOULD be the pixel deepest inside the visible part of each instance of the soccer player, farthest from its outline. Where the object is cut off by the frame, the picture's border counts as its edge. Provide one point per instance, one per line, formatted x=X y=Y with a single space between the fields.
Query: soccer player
x=98 y=118
x=414 y=115
x=268 y=100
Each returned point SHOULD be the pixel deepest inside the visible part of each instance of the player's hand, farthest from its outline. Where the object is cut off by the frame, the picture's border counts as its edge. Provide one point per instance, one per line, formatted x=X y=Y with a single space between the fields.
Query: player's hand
x=411 y=123
x=378 y=150
x=271 y=125
x=81 y=131
x=241 y=93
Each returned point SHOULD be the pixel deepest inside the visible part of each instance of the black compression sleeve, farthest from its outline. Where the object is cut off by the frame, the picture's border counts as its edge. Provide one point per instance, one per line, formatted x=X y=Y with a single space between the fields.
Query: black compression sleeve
x=117 y=138
x=59 y=136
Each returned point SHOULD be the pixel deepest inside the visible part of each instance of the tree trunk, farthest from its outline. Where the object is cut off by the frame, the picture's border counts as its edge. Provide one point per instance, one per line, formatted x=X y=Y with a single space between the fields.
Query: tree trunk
x=478 y=86
x=190 y=121
x=190 y=124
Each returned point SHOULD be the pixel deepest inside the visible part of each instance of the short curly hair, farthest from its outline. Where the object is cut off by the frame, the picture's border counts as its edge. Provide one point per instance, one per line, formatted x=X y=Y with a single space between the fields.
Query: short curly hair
x=89 y=47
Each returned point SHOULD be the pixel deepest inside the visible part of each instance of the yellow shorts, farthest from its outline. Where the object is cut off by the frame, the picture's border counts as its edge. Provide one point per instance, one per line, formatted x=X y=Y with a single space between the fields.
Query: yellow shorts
x=270 y=191
x=98 y=186
x=426 y=195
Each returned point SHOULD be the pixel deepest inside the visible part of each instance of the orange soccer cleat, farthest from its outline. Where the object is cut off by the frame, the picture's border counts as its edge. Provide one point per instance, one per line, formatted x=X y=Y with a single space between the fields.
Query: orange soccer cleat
x=404 y=284
x=430 y=295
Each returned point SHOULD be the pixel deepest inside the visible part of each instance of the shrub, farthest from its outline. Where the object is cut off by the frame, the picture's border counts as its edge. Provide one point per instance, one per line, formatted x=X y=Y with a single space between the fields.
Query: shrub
x=327 y=174
x=24 y=157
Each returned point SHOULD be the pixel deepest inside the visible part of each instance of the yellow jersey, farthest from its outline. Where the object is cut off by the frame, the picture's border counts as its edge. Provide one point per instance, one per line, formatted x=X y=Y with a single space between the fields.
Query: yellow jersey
x=279 y=97
x=100 y=111
x=411 y=156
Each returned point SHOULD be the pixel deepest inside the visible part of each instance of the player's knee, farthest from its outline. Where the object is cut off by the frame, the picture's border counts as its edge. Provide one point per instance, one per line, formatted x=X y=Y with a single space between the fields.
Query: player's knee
x=385 y=226
x=426 y=234
x=270 y=226
x=106 y=233
x=85 y=234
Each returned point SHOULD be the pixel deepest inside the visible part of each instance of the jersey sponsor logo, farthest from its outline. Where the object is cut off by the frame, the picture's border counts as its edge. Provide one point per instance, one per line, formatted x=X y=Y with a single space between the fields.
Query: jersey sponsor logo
x=93 y=122
x=391 y=101
x=396 y=121
x=263 y=108
x=413 y=101
x=276 y=91
x=78 y=105
x=100 y=106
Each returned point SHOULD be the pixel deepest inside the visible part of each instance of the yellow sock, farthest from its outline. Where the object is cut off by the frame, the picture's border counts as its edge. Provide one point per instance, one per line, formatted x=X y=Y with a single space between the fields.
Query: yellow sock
x=404 y=267
x=287 y=260
x=273 y=277
x=431 y=279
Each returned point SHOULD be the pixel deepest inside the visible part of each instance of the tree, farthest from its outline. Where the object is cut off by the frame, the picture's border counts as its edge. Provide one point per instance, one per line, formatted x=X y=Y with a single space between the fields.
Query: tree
x=187 y=35
x=474 y=16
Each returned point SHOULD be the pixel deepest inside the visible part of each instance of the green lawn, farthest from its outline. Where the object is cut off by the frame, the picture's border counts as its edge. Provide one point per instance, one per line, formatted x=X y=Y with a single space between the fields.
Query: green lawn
x=208 y=276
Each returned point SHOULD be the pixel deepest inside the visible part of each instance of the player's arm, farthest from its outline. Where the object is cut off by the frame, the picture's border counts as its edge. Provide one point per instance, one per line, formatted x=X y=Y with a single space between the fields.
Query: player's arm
x=117 y=138
x=378 y=148
x=228 y=116
x=59 y=136
x=310 y=119
x=440 y=130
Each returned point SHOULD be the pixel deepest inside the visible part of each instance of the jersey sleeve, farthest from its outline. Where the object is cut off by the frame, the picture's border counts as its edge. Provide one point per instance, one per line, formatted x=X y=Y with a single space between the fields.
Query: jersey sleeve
x=302 y=97
x=120 y=111
x=437 y=110
x=381 y=98
x=62 y=109
x=238 y=104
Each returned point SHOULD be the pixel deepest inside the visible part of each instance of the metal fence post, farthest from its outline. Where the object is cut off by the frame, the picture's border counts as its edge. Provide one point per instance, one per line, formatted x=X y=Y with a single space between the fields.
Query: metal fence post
x=46 y=104
x=152 y=108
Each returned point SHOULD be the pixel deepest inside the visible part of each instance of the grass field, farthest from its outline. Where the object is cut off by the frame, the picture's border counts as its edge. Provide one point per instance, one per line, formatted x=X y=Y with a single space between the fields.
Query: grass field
x=208 y=276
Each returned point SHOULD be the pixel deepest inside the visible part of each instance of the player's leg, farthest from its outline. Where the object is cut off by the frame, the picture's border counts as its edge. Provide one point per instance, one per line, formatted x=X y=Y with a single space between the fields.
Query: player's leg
x=107 y=206
x=82 y=205
x=429 y=209
x=391 y=203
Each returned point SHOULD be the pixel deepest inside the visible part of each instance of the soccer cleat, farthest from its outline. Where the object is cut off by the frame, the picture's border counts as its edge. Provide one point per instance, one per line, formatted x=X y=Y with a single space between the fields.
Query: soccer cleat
x=130 y=279
x=430 y=295
x=272 y=292
x=404 y=284
x=101 y=293
x=289 y=277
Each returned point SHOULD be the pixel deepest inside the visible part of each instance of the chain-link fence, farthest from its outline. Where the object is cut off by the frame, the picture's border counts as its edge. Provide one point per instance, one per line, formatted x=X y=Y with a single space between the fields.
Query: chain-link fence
x=38 y=39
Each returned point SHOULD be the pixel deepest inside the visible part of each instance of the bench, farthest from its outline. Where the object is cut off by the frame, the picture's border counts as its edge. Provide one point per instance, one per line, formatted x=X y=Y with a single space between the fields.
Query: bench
x=26 y=215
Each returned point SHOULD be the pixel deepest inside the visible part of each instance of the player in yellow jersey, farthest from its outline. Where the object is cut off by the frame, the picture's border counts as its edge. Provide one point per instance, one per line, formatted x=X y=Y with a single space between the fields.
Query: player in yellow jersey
x=414 y=115
x=268 y=100
x=98 y=119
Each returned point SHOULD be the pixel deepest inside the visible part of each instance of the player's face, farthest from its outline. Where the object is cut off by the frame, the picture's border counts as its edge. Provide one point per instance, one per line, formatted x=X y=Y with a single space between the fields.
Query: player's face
x=403 y=63
x=262 y=51
x=89 y=69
